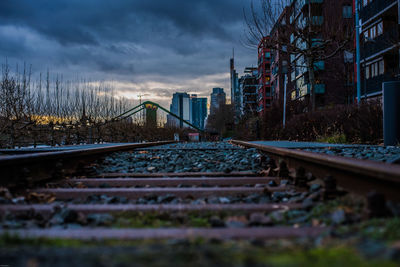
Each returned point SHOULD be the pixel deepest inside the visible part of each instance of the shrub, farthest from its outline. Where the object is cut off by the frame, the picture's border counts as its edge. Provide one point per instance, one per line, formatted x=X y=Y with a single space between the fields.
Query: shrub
x=339 y=124
x=334 y=139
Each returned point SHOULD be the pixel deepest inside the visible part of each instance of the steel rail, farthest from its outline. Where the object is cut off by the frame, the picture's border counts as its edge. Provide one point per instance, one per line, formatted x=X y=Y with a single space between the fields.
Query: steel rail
x=129 y=182
x=167 y=233
x=48 y=209
x=20 y=169
x=356 y=175
x=135 y=193
x=35 y=157
x=227 y=184
x=179 y=174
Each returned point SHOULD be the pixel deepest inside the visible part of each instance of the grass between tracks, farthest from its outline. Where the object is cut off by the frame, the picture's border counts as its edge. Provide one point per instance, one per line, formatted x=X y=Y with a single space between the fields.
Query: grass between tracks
x=333 y=139
x=354 y=242
x=386 y=230
x=196 y=252
x=157 y=220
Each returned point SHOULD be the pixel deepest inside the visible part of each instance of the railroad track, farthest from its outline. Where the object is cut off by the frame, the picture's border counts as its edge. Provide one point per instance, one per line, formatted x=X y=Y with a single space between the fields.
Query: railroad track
x=65 y=194
x=356 y=175
x=70 y=194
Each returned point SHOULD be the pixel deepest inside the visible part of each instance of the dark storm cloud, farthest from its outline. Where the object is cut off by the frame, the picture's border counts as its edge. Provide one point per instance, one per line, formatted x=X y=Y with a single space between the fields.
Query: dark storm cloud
x=124 y=39
x=87 y=22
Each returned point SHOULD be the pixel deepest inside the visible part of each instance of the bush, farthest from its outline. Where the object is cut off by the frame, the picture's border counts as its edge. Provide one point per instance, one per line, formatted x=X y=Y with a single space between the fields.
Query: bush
x=338 y=124
x=334 y=139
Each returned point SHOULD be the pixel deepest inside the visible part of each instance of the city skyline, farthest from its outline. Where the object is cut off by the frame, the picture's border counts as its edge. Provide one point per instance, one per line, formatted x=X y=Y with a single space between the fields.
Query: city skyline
x=153 y=49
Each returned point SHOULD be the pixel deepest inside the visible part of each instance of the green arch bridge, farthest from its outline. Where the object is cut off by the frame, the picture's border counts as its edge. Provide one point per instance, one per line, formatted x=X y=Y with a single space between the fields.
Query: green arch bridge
x=151 y=113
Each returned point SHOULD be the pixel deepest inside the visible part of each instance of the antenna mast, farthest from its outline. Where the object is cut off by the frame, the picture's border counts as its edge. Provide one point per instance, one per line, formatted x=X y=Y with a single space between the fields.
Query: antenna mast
x=141 y=112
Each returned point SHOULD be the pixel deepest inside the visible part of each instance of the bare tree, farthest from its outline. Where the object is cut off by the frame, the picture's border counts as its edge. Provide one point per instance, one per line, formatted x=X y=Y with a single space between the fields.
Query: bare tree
x=260 y=19
x=221 y=120
x=50 y=110
x=313 y=34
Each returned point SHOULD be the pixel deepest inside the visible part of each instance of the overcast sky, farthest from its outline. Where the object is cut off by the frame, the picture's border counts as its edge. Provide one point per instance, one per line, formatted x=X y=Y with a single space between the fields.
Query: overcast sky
x=153 y=47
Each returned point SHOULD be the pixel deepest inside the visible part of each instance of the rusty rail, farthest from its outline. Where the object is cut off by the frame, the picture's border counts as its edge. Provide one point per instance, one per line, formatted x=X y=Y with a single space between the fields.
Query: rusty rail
x=175 y=233
x=179 y=174
x=34 y=167
x=47 y=209
x=130 y=182
x=134 y=193
x=359 y=176
x=37 y=167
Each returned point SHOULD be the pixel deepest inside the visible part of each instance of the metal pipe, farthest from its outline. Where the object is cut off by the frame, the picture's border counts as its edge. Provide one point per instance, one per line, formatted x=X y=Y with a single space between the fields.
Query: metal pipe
x=391 y=113
x=358 y=52
x=284 y=100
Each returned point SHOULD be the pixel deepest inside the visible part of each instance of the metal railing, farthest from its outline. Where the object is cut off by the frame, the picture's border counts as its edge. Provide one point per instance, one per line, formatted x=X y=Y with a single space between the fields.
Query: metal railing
x=57 y=135
x=374 y=85
x=373 y=8
x=380 y=43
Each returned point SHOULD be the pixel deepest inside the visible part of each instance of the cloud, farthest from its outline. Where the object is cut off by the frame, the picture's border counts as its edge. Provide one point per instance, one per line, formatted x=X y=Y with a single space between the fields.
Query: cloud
x=156 y=46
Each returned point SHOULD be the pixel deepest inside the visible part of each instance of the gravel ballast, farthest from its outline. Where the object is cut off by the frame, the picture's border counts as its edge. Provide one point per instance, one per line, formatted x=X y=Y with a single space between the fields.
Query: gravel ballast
x=390 y=154
x=183 y=157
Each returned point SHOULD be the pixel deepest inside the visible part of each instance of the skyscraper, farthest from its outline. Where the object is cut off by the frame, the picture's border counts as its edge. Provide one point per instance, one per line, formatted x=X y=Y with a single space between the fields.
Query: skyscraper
x=198 y=111
x=235 y=90
x=218 y=98
x=248 y=85
x=180 y=106
x=264 y=98
x=190 y=108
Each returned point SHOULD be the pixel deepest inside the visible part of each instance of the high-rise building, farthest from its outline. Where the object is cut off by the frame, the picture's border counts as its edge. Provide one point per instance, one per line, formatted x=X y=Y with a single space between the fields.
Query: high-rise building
x=282 y=56
x=198 y=111
x=280 y=59
x=180 y=106
x=188 y=107
x=170 y=121
x=236 y=97
x=332 y=74
x=248 y=85
x=379 y=41
x=264 y=94
x=218 y=98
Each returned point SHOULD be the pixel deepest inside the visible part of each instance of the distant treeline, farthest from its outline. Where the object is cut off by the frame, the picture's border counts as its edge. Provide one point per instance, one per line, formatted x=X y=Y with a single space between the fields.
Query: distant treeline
x=47 y=109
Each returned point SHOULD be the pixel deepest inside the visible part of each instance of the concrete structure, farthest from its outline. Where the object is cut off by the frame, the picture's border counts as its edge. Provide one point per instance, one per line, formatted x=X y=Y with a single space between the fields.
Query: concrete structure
x=391 y=113
x=379 y=38
x=218 y=98
x=151 y=115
